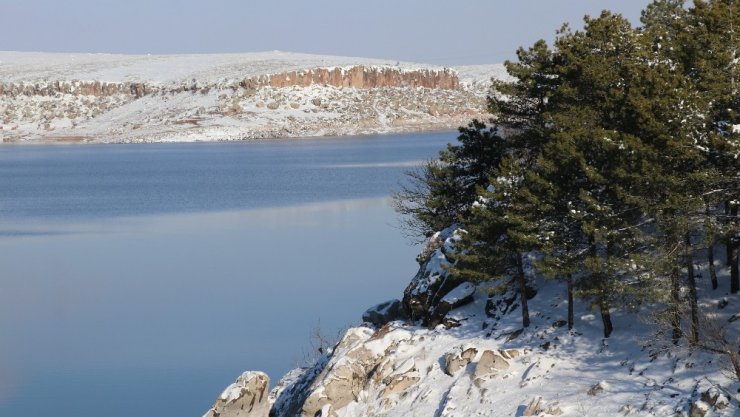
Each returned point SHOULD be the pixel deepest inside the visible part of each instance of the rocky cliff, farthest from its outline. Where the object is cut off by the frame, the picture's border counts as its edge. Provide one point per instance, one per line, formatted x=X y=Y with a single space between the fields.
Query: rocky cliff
x=478 y=361
x=360 y=76
x=100 y=101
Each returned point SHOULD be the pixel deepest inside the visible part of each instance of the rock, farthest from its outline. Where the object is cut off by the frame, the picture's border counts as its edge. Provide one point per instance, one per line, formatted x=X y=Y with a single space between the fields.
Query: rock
x=510 y=353
x=456 y=360
x=489 y=365
x=554 y=410
x=457 y=297
x=598 y=388
x=714 y=398
x=431 y=283
x=247 y=397
x=273 y=105
x=699 y=409
x=534 y=407
x=513 y=335
x=400 y=384
x=559 y=323
x=384 y=313
x=450 y=323
x=404 y=377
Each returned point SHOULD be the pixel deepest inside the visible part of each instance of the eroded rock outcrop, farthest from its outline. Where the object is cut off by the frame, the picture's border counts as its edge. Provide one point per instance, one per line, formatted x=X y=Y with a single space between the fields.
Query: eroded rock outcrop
x=433 y=292
x=247 y=397
x=359 y=76
x=458 y=359
x=489 y=365
x=384 y=312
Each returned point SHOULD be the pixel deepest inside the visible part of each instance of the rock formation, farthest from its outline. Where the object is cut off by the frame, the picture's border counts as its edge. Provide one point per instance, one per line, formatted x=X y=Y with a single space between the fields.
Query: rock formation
x=247 y=397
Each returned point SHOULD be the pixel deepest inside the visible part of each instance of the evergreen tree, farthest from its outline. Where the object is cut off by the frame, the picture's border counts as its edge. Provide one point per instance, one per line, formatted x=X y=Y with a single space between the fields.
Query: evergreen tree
x=440 y=191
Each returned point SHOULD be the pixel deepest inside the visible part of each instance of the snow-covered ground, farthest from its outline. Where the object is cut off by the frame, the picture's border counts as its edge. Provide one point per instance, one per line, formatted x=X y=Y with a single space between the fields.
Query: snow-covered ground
x=204 y=97
x=490 y=366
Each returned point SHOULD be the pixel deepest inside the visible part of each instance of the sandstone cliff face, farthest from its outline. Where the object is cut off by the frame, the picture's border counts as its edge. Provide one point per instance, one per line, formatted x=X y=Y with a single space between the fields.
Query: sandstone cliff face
x=247 y=397
x=353 y=77
x=360 y=76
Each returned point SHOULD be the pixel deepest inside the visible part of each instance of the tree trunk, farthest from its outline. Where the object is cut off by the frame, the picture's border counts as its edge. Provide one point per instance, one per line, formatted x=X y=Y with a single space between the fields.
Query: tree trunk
x=710 y=248
x=570 y=301
x=522 y=289
x=735 y=362
x=602 y=298
x=692 y=292
x=606 y=317
x=712 y=269
x=675 y=306
x=732 y=253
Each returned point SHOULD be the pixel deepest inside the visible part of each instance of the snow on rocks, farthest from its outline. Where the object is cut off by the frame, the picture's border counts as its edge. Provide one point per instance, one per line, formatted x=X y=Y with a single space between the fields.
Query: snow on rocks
x=247 y=397
x=491 y=366
x=458 y=359
x=385 y=312
x=121 y=98
x=423 y=297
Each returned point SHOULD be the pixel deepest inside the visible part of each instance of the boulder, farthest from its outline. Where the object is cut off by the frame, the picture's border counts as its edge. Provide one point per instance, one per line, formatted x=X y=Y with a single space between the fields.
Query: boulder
x=489 y=364
x=401 y=379
x=247 y=397
x=715 y=398
x=456 y=360
x=699 y=409
x=384 y=313
x=536 y=406
x=457 y=297
x=598 y=388
x=432 y=282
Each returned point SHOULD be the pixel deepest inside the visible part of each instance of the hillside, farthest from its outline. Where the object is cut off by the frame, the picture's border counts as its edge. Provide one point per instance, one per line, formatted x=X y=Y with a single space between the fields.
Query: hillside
x=148 y=98
x=480 y=362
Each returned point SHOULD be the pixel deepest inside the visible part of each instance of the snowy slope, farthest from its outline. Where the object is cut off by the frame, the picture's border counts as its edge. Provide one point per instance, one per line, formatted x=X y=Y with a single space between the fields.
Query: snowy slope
x=489 y=366
x=143 y=98
x=163 y=69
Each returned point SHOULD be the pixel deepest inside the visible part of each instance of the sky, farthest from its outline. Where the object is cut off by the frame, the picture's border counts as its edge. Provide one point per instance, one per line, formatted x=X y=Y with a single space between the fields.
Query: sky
x=444 y=32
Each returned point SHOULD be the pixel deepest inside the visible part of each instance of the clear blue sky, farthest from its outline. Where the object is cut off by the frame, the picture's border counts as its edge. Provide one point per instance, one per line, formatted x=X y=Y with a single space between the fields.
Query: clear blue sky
x=433 y=31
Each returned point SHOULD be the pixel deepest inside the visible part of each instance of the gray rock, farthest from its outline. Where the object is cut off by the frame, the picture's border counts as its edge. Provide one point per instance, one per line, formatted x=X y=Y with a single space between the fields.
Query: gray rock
x=454 y=361
x=384 y=313
x=425 y=291
x=699 y=409
x=247 y=397
x=489 y=364
x=457 y=297
x=536 y=406
x=714 y=398
x=597 y=389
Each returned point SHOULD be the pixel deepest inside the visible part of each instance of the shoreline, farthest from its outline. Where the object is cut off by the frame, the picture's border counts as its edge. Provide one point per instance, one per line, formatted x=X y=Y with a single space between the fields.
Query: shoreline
x=72 y=140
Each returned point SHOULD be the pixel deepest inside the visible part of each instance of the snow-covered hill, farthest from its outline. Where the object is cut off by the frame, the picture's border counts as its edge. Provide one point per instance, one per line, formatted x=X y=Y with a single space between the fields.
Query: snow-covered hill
x=480 y=362
x=127 y=98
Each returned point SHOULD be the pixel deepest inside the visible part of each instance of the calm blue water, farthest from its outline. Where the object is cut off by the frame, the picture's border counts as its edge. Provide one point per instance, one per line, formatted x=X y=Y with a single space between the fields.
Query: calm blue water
x=142 y=279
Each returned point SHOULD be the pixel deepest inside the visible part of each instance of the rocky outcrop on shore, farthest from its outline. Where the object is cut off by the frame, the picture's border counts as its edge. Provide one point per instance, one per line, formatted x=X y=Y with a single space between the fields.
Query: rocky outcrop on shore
x=486 y=364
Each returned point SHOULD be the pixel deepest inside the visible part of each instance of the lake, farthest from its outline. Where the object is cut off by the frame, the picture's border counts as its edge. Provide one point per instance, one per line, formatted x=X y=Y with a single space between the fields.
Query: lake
x=143 y=279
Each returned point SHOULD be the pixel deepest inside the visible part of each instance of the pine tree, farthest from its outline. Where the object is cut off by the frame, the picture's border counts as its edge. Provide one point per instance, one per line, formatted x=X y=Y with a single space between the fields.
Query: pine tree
x=710 y=57
x=437 y=194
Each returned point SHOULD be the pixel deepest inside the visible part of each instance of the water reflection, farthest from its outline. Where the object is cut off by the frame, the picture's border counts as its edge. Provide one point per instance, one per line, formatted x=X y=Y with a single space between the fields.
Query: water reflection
x=132 y=304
